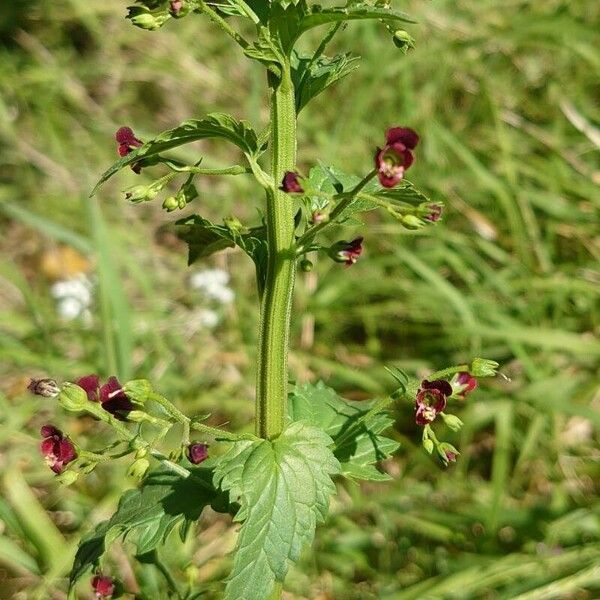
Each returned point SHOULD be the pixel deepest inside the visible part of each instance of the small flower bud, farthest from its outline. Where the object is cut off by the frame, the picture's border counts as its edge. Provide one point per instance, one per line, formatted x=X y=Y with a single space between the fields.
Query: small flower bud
x=412 y=222
x=197 y=452
x=290 y=183
x=482 y=367
x=170 y=204
x=44 y=387
x=306 y=265
x=452 y=421
x=103 y=586
x=138 y=468
x=403 y=40
x=448 y=453
x=73 y=398
x=319 y=216
x=428 y=445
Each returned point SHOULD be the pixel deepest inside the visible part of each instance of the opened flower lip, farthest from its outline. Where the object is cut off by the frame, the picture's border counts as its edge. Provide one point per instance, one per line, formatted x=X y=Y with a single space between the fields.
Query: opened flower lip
x=392 y=161
x=57 y=450
x=291 y=184
x=431 y=400
x=111 y=395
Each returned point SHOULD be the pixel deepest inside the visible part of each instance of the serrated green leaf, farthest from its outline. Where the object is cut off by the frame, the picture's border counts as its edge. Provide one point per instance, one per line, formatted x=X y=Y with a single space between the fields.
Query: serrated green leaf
x=147 y=515
x=359 y=443
x=283 y=487
x=266 y=51
x=312 y=77
x=214 y=125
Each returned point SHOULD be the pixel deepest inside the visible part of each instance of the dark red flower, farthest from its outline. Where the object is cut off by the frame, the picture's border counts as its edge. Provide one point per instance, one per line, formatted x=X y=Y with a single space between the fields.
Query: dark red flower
x=347 y=252
x=58 y=450
x=44 y=387
x=176 y=6
x=103 y=586
x=431 y=400
x=465 y=384
x=435 y=212
x=290 y=183
x=395 y=157
x=197 y=452
x=127 y=142
x=110 y=395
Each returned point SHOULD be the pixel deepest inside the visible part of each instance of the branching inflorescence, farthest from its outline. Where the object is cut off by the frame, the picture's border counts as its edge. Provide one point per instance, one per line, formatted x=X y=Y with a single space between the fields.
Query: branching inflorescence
x=307 y=436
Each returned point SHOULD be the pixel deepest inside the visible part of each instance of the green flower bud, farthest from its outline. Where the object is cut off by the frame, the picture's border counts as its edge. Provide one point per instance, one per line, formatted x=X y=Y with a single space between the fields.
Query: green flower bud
x=452 y=421
x=138 y=391
x=306 y=265
x=170 y=204
x=73 y=398
x=68 y=477
x=428 y=445
x=403 y=40
x=143 y=18
x=412 y=222
x=482 y=367
x=138 y=468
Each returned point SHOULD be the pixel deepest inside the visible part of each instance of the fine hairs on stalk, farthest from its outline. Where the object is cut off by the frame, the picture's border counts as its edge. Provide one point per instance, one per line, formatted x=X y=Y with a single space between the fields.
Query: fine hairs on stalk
x=306 y=437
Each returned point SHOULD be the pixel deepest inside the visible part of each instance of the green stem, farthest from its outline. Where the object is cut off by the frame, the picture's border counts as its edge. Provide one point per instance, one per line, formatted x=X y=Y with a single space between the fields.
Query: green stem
x=271 y=387
x=445 y=373
x=222 y=24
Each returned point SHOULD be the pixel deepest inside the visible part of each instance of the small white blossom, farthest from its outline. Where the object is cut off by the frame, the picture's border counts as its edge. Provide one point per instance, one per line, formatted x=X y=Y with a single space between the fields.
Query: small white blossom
x=213 y=284
x=73 y=297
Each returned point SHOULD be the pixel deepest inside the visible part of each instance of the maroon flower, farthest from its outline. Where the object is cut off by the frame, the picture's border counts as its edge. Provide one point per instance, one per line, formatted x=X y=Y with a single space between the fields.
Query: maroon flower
x=395 y=157
x=176 y=6
x=110 y=395
x=44 y=387
x=465 y=383
x=290 y=183
x=431 y=400
x=435 y=212
x=57 y=450
x=127 y=142
x=103 y=586
x=197 y=452
x=347 y=252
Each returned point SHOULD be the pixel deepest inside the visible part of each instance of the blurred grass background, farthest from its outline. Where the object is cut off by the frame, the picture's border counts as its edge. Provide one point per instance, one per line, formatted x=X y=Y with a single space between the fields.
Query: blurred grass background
x=504 y=95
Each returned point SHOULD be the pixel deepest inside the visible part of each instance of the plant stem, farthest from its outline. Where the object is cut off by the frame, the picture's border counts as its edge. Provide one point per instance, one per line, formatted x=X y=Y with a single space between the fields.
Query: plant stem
x=271 y=387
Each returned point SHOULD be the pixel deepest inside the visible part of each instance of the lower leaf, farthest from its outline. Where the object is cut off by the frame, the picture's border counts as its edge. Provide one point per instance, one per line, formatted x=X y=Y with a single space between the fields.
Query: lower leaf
x=283 y=487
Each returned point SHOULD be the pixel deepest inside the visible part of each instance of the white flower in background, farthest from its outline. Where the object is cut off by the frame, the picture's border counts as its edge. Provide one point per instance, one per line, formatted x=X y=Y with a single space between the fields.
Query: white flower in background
x=73 y=297
x=213 y=284
x=208 y=318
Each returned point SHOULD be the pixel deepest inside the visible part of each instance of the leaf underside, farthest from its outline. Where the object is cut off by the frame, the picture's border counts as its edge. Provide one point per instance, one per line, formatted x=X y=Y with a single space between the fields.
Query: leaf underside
x=283 y=487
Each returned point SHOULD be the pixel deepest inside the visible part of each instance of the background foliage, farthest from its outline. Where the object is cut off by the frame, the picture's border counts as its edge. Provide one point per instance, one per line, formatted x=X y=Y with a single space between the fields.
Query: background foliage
x=503 y=96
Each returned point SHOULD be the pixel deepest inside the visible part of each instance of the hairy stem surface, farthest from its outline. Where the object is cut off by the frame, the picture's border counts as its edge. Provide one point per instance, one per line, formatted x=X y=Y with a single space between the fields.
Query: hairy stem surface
x=271 y=388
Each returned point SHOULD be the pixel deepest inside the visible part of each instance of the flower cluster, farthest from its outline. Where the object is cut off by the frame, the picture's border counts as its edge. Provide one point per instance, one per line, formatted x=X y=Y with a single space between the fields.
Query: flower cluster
x=111 y=395
x=57 y=450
